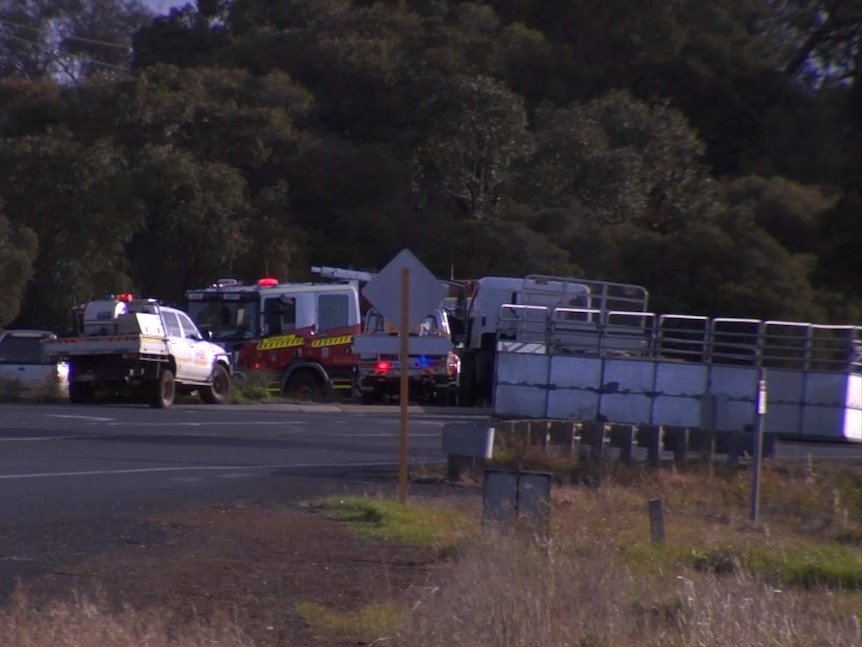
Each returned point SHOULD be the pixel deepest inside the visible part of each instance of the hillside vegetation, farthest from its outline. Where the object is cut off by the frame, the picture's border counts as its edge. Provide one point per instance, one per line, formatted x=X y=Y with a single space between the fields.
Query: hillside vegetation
x=711 y=151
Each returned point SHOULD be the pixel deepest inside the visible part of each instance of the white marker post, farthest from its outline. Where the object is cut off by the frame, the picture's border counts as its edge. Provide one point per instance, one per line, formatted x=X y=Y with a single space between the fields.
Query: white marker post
x=759 y=420
x=404 y=333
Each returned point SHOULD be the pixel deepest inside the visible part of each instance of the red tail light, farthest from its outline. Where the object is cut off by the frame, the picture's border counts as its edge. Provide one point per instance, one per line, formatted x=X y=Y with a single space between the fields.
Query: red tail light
x=453 y=364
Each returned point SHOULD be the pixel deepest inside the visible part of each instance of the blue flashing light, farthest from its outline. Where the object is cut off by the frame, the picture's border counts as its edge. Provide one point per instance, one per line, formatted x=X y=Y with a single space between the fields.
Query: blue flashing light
x=424 y=361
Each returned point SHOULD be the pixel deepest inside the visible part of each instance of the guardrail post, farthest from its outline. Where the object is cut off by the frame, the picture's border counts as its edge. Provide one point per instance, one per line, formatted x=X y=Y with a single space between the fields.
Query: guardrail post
x=562 y=434
x=593 y=436
x=676 y=441
x=703 y=442
x=649 y=436
x=730 y=443
x=623 y=437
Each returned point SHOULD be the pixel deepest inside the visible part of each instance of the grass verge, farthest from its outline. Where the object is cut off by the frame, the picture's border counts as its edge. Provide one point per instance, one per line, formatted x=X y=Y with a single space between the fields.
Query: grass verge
x=370 y=624
x=411 y=524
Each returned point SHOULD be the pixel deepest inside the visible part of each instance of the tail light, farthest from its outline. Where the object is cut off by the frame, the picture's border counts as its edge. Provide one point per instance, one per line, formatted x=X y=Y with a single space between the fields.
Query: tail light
x=453 y=364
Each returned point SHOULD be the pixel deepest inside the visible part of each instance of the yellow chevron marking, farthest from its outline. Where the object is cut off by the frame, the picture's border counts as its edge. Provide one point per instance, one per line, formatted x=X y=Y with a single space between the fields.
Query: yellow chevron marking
x=332 y=341
x=282 y=341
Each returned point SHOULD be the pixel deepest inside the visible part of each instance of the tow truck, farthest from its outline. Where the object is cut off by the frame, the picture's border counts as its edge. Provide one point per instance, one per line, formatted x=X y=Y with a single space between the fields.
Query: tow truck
x=433 y=366
x=299 y=334
x=143 y=349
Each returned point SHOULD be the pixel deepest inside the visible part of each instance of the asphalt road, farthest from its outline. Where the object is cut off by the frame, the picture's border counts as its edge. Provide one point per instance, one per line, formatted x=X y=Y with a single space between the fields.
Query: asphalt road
x=75 y=479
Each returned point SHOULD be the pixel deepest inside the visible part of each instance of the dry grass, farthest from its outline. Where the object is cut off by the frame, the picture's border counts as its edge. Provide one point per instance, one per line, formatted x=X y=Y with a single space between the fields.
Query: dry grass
x=85 y=622
x=792 y=579
x=16 y=391
x=516 y=594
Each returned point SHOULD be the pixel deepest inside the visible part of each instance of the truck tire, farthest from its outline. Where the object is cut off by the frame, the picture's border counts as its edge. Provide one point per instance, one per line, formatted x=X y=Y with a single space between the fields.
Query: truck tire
x=165 y=389
x=80 y=393
x=303 y=385
x=219 y=391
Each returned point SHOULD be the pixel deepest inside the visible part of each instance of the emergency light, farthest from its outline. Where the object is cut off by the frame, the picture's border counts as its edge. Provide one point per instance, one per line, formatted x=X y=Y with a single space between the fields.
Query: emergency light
x=383 y=367
x=267 y=282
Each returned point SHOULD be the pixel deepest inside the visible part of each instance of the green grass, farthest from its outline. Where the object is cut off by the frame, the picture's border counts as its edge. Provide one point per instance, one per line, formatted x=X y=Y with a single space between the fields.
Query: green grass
x=373 y=622
x=407 y=524
x=257 y=387
x=838 y=567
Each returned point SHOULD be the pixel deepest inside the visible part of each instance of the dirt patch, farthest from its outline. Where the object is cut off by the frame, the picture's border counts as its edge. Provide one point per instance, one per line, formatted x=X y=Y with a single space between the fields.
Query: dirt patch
x=251 y=563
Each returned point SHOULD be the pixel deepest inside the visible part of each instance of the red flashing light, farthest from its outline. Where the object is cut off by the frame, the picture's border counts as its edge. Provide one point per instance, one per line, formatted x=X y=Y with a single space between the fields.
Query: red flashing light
x=383 y=367
x=256 y=366
x=125 y=297
x=267 y=282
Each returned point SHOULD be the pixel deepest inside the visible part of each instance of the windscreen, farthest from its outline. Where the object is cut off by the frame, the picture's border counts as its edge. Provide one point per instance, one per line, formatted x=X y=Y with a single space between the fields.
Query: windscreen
x=24 y=350
x=225 y=317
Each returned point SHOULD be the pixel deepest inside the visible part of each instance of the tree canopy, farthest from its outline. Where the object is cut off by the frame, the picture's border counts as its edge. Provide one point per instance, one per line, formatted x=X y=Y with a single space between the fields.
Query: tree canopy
x=710 y=151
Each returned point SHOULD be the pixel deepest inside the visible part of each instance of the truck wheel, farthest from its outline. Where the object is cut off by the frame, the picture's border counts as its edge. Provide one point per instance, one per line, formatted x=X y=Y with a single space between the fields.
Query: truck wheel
x=80 y=393
x=219 y=391
x=165 y=390
x=302 y=385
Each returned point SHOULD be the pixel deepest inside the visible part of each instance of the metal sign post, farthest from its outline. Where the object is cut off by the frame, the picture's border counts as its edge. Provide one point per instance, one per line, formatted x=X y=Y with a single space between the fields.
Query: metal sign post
x=759 y=423
x=405 y=292
x=404 y=332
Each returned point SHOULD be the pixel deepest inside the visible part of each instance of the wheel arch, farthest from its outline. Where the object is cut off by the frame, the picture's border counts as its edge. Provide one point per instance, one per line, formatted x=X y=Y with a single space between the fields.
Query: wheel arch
x=306 y=367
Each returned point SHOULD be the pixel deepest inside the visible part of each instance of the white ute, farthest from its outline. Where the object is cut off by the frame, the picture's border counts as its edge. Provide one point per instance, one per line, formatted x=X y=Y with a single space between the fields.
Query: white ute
x=139 y=348
x=25 y=370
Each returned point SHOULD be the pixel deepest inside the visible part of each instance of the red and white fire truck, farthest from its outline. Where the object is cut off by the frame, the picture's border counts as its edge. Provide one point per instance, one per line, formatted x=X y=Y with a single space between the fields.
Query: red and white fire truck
x=299 y=333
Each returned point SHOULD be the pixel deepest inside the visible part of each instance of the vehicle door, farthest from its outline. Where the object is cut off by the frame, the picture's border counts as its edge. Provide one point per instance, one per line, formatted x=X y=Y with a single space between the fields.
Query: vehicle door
x=203 y=355
x=182 y=349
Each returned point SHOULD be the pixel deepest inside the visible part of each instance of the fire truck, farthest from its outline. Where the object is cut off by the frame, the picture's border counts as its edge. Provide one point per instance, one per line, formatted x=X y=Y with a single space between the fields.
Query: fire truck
x=300 y=334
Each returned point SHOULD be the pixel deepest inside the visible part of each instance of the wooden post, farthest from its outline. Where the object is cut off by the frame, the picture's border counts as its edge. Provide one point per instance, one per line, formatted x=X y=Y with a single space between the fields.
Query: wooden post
x=656 y=521
x=404 y=333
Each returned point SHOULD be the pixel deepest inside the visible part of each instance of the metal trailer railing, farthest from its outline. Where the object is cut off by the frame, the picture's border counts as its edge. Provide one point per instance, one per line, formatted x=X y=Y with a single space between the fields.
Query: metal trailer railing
x=687 y=338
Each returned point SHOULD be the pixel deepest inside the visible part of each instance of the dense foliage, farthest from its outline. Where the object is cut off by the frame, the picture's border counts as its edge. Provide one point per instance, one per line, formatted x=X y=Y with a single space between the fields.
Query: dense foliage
x=711 y=151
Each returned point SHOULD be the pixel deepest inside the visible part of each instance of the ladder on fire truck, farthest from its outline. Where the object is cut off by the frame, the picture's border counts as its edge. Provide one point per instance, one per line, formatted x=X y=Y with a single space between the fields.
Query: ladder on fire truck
x=342 y=274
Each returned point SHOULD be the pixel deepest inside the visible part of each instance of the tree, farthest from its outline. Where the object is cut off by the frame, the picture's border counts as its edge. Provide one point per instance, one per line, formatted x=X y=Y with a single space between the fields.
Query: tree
x=476 y=132
x=194 y=219
x=620 y=160
x=72 y=197
x=68 y=40
x=18 y=248
x=789 y=212
x=824 y=39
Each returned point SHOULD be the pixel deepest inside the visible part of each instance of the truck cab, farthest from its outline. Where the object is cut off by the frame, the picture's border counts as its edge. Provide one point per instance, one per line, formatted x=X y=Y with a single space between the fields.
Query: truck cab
x=506 y=307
